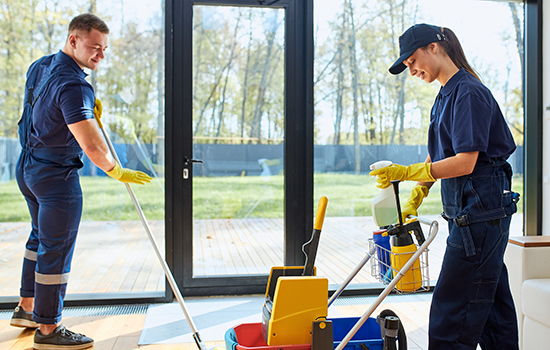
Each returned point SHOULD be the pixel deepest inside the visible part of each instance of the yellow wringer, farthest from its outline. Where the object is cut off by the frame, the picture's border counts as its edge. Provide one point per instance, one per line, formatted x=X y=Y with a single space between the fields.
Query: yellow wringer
x=296 y=301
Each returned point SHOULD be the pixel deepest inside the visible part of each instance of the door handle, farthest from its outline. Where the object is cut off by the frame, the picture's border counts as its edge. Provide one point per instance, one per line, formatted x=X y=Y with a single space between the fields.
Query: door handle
x=186 y=162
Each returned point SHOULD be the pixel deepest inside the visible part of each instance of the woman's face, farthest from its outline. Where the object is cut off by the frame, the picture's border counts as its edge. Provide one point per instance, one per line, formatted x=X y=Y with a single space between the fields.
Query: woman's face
x=424 y=63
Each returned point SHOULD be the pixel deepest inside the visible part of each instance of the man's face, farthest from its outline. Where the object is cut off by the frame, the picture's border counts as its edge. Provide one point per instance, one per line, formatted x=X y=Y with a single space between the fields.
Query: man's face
x=89 y=48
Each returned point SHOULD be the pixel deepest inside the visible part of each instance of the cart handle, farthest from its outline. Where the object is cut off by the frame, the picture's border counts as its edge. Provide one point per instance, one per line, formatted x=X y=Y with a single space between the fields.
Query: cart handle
x=434 y=227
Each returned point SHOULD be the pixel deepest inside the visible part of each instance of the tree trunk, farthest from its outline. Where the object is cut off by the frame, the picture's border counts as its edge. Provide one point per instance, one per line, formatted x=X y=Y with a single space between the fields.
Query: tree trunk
x=339 y=99
x=207 y=102
x=399 y=111
x=197 y=65
x=230 y=64
x=519 y=35
x=256 y=130
x=246 y=70
x=340 y=83
x=160 y=93
x=354 y=79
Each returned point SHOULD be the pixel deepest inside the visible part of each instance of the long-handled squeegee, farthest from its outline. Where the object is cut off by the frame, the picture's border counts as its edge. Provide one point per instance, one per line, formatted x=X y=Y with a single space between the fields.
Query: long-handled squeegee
x=165 y=266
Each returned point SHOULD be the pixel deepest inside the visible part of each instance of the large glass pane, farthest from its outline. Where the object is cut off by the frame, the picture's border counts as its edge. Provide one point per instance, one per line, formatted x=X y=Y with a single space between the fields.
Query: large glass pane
x=113 y=253
x=238 y=131
x=364 y=114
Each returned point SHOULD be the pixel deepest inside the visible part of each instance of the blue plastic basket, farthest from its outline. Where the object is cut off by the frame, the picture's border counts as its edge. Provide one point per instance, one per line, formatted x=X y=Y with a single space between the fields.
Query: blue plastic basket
x=369 y=333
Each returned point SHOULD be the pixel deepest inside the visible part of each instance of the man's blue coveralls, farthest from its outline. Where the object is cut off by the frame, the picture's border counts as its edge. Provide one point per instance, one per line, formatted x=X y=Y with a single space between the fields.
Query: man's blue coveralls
x=47 y=175
x=472 y=302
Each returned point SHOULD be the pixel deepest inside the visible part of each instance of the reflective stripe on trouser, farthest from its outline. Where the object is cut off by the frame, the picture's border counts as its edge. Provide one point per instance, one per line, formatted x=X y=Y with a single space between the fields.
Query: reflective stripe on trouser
x=54 y=199
x=472 y=302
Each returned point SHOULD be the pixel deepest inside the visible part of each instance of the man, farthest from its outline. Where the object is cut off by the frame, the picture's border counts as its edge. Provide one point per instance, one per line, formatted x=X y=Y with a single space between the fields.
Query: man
x=56 y=126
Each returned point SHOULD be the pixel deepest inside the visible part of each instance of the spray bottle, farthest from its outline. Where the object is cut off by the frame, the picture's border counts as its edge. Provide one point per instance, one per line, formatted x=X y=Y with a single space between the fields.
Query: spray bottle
x=383 y=248
x=403 y=248
x=384 y=211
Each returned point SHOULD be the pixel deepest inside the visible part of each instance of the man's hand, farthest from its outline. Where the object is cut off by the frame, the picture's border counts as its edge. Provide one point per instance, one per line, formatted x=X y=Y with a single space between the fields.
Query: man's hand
x=417 y=172
x=98 y=112
x=129 y=176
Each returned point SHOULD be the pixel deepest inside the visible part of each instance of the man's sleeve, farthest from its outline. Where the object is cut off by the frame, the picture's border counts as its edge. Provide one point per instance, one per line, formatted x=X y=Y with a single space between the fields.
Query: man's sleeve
x=77 y=103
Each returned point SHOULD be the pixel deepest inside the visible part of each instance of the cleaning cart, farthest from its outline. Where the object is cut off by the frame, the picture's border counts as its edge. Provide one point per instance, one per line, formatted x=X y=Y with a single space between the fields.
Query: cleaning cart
x=294 y=315
x=411 y=264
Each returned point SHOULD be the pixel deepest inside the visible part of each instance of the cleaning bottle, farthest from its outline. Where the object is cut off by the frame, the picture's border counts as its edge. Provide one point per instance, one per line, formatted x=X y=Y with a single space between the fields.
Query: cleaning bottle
x=383 y=248
x=384 y=210
x=403 y=248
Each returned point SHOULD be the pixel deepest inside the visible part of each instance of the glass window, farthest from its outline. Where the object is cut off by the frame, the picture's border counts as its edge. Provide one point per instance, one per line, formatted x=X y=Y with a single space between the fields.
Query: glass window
x=364 y=114
x=113 y=253
x=238 y=133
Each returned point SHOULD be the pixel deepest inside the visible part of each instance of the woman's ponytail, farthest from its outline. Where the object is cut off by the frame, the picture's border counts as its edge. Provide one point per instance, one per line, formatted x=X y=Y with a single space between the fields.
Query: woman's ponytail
x=452 y=47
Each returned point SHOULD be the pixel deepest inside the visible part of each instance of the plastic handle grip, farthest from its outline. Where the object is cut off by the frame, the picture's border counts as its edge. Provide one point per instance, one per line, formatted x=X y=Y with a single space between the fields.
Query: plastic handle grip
x=320 y=217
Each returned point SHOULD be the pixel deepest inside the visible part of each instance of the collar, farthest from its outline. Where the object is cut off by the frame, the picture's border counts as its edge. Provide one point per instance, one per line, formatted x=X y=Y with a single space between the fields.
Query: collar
x=66 y=61
x=451 y=84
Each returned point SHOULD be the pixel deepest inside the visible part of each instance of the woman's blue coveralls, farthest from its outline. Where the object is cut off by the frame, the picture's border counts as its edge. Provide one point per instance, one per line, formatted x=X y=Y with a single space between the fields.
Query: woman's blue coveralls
x=472 y=302
x=47 y=175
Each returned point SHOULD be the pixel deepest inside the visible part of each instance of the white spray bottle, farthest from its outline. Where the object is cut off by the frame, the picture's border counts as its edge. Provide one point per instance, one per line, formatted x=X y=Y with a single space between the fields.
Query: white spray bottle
x=384 y=209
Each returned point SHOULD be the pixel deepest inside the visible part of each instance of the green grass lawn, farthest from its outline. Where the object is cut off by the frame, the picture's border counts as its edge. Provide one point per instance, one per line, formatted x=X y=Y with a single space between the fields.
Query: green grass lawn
x=224 y=197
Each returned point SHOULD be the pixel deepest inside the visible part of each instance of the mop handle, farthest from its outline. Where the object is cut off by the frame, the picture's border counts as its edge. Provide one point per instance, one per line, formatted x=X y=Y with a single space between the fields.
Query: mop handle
x=165 y=266
x=351 y=276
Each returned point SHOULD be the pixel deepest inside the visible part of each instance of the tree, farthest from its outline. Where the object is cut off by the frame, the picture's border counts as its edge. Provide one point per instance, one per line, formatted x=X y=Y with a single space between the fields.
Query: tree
x=131 y=88
x=238 y=76
x=355 y=88
x=28 y=32
x=358 y=76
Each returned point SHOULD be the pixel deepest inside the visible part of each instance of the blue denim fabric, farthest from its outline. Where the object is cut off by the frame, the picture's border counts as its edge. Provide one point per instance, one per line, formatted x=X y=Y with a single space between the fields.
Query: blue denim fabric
x=54 y=199
x=472 y=302
x=47 y=175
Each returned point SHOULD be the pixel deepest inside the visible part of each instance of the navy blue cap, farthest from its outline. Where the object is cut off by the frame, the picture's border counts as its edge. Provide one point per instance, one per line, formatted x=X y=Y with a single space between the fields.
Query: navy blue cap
x=414 y=38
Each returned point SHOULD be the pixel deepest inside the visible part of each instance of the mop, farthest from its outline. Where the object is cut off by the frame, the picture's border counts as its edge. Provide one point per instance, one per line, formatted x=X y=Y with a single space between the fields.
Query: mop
x=165 y=266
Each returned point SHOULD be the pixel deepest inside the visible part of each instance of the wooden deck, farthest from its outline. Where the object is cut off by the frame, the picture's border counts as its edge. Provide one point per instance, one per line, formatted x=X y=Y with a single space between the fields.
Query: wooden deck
x=116 y=256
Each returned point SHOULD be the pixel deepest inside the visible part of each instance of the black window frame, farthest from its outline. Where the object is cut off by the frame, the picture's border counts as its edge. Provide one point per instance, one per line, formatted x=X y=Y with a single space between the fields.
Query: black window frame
x=299 y=133
x=298 y=145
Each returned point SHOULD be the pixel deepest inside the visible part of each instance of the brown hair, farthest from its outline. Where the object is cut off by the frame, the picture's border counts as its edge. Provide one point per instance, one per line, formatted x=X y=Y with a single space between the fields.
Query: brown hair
x=453 y=49
x=86 y=22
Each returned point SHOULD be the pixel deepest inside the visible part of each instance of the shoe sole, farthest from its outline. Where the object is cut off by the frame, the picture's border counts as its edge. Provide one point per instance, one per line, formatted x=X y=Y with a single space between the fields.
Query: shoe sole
x=23 y=323
x=39 y=346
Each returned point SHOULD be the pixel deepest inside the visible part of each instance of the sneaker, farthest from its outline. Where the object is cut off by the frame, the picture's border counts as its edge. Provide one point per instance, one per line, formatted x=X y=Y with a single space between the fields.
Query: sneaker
x=22 y=318
x=61 y=338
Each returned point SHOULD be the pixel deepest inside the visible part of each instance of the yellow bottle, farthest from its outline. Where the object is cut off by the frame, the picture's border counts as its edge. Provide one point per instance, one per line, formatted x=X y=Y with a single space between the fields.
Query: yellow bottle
x=403 y=249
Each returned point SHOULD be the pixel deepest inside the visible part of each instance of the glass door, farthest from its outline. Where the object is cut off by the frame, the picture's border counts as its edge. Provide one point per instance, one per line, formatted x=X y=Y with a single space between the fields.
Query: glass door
x=238 y=134
x=237 y=114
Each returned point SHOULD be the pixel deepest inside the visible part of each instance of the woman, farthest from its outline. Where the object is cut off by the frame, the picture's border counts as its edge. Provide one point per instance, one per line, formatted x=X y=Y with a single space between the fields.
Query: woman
x=468 y=144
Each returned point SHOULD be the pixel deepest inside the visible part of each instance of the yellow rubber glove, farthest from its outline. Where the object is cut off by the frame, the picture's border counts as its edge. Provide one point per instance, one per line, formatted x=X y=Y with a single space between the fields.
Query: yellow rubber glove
x=416 y=172
x=129 y=176
x=418 y=194
x=98 y=112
